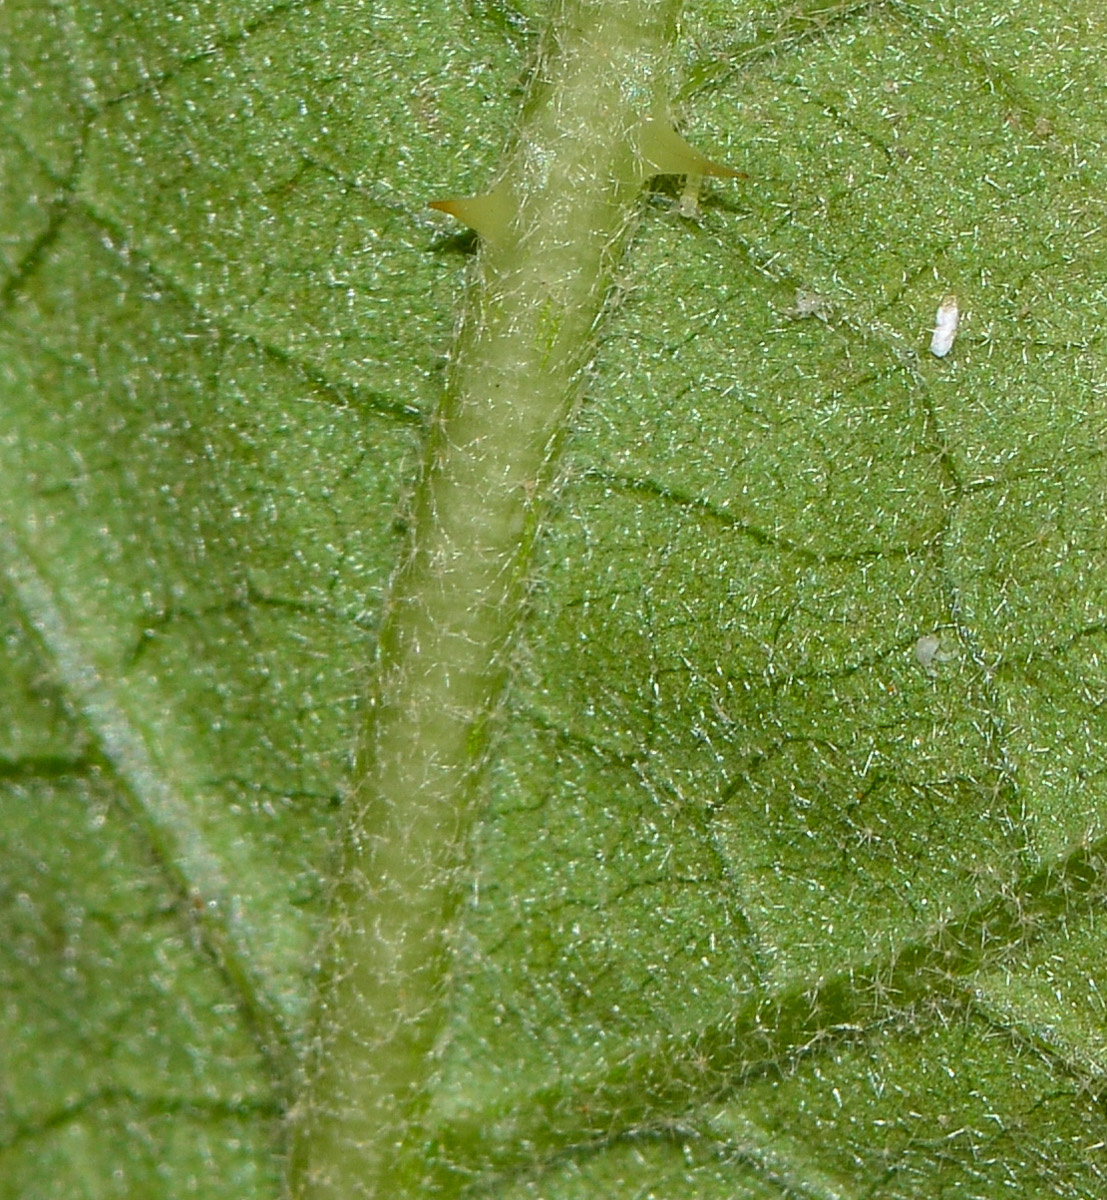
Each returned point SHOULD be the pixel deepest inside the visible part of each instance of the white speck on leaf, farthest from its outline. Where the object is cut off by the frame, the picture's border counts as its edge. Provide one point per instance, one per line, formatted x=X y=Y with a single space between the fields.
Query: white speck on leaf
x=929 y=652
x=810 y=304
x=945 y=327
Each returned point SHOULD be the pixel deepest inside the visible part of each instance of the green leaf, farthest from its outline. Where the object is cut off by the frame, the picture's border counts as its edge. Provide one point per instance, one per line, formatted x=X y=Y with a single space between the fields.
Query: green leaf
x=784 y=867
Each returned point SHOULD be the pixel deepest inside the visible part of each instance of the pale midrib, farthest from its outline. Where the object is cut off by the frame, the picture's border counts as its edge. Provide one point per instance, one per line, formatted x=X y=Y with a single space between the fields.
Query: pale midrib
x=573 y=182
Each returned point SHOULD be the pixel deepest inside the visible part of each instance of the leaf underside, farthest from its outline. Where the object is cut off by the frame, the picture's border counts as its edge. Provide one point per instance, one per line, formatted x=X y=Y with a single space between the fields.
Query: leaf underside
x=764 y=902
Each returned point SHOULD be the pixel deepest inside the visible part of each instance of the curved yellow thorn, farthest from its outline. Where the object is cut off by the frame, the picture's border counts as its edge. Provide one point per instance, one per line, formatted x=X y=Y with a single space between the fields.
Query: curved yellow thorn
x=664 y=152
x=489 y=214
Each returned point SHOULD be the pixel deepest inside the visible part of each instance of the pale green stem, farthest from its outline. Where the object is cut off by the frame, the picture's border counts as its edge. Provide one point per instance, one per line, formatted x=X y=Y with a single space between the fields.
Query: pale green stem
x=572 y=184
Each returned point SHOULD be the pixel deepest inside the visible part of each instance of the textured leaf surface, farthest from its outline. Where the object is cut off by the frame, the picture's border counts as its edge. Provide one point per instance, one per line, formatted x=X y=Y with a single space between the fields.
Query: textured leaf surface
x=762 y=904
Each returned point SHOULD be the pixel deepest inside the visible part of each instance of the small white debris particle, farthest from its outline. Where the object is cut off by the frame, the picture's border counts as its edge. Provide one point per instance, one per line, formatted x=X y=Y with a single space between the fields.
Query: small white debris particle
x=945 y=327
x=930 y=652
x=810 y=304
x=927 y=649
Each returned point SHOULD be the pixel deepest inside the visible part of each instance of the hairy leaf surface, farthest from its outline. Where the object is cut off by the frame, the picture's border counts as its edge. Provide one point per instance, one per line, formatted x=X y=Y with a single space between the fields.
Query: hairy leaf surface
x=789 y=876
